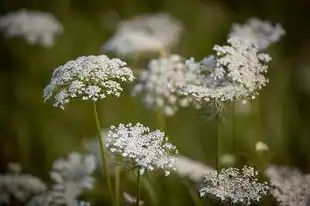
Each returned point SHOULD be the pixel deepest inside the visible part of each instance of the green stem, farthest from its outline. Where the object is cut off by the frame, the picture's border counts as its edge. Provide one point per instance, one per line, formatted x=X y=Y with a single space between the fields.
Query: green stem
x=217 y=146
x=234 y=144
x=102 y=152
x=138 y=187
x=117 y=184
x=160 y=119
x=193 y=193
x=259 y=120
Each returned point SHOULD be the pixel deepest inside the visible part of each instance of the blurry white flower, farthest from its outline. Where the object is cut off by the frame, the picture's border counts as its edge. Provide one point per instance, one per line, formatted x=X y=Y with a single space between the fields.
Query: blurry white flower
x=21 y=186
x=227 y=159
x=87 y=78
x=142 y=148
x=191 y=168
x=144 y=34
x=131 y=199
x=234 y=185
x=157 y=84
x=236 y=72
x=261 y=32
x=289 y=186
x=34 y=26
x=261 y=146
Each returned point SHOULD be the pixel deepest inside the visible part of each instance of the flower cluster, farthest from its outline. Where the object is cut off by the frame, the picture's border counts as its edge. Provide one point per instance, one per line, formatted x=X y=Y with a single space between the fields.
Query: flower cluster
x=71 y=178
x=87 y=78
x=142 y=148
x=144 y=34
x=289 y=186
x=263 y=33
x=34 y=26
x=157 y=84
x=234 y=185
x=235 y=72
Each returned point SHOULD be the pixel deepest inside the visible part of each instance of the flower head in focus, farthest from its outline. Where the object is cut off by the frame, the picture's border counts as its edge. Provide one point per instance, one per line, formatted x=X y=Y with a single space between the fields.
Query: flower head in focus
x=142 y=148
x=145 y=33
x=34 y=26
x=87 y=78
x=261 y=32
x=289 y=186
x=234 y=185
x=157 y=84
x=236 y=72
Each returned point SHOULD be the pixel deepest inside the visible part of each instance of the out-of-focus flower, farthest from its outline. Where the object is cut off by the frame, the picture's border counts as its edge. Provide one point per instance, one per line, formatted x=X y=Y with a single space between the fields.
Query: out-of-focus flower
x=87 y=78
x=261 y=146
x=289 y=186
x=34 y=26
x=142 y=148
x=144 y=33
x=227 y=159
x=235 y=73
x=261 y=32
x=157 y=84
x=131 y=199
x=234 y=185
x=191 y=168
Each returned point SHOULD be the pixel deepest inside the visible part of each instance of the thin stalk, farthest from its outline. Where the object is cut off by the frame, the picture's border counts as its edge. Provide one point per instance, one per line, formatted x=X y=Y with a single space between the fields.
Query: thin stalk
x=234 y=144
x=259 y=120
x=117 y=184
x=160 y=119
x=193 y=193
x=217 y=146
x=102 y=152
x=138 y=187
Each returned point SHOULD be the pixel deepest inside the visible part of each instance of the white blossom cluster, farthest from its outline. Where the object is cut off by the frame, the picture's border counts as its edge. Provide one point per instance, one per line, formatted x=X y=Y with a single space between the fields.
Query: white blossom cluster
x=145 y=33
x=87 y=78
x=157 y=84
x=71 y=177
x=234 y=185
x=289 y=186
x=20 y=186
x=144 y=149
x=34 y=26
x=192 y=169
x=236 y=72
x=263 y=33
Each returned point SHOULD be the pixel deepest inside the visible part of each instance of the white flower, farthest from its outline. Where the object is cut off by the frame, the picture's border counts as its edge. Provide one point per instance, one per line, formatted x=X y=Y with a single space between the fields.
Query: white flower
x=261 y=32
x=236 y=72
x=142 y=148
x=144 y=34
x=34 y=26
x=87 y=78
x=190 y=168
x=227 y=159
x=157 y=84
x=234 y=185
x=131 y=199
x=289 y=186
x=261 y=146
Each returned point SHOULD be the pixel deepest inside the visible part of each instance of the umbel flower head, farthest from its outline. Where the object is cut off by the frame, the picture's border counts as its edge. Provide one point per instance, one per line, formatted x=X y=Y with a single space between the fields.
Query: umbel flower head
x=142 y=148
x=263 y=33
x=34 y=26
x=145 y=33
x=234 y=185
x=157 y=84
x=235 y=72
x=87 y=78
x=289 y=186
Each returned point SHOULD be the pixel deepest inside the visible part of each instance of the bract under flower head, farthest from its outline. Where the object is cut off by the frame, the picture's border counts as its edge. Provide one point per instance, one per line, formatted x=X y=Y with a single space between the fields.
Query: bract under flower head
x=34 y=26
x=142 y=148
x=144 y=34
x=87 y=78
x=157 y=84
x=234 y=185
x=263 y=33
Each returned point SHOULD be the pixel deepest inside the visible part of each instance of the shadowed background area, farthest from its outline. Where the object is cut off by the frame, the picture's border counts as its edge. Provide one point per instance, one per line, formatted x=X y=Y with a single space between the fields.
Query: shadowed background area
x=35 y=134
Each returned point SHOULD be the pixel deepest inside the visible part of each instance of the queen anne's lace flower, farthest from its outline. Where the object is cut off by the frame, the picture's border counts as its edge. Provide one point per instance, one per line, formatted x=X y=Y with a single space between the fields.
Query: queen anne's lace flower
x=158 y=82
x=87 y=78
x=263 y=33
x=235 y=72
x=289 y=186
x=34 y=26
x=234 y=185
x=142 y=148
x=144 y=34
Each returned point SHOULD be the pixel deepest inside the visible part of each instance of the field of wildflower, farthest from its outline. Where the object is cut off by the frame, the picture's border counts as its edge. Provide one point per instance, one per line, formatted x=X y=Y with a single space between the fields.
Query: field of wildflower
x=155 y=103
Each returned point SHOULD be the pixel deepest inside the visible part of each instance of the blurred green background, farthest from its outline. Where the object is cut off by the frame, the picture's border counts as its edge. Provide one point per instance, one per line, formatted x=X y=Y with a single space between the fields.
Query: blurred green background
x=35 y=134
